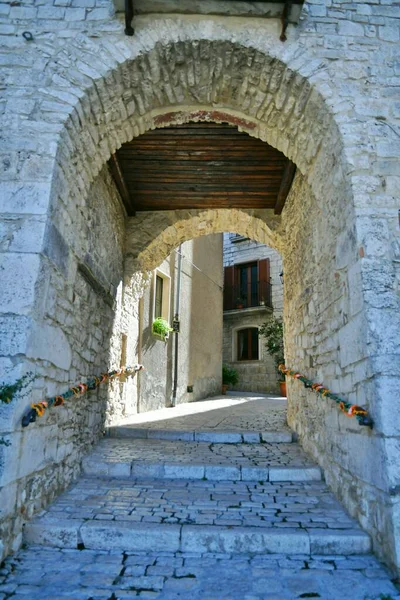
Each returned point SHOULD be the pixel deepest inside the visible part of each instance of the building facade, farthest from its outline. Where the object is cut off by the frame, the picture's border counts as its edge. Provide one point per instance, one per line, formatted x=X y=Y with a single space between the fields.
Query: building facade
x=197 y=373
x=253 y=291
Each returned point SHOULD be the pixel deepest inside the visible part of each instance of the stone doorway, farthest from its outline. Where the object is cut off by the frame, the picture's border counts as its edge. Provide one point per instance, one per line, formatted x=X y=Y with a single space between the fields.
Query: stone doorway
x=329 y=318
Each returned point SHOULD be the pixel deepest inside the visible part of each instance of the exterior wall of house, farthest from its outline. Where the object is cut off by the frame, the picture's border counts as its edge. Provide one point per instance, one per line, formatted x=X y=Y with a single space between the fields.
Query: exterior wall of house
x=200 y=337
x=254 y=375
x=327 y=98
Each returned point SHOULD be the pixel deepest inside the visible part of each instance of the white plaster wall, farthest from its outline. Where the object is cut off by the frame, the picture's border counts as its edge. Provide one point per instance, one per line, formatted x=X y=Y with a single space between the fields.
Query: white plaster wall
x=200 y=338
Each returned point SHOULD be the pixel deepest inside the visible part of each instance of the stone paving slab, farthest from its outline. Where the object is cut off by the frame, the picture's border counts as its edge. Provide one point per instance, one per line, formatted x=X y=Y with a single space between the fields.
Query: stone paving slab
x=193 y=515
x=232 y=414
x=52 y=574
x=198 y=460
x=223 y=437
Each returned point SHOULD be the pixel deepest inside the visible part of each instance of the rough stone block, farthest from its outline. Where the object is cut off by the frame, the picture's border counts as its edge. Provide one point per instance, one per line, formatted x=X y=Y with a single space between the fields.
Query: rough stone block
x=254 y=474
x=49 y=343
x=19 y=273
x=222 y=473
x=342 y=542
x=177 y=471
x=130 y=537
x=216 y=437
x=58 y=533
x=295 y=474
x=150 y=470
x=270 y=437
x=236 y=540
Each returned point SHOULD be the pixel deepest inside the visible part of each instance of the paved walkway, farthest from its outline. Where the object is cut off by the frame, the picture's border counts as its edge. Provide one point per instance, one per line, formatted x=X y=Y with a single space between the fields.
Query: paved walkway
x=241 y=515
x=53 y=574
x=234 y=412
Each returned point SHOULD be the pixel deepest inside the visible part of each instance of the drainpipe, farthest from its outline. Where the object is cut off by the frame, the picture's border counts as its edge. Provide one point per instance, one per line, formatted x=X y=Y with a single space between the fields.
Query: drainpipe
x=176 y=325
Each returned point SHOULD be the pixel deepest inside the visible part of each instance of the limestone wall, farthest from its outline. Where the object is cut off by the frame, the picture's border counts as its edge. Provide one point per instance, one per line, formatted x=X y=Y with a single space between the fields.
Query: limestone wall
x=327 y=98
x=73 y=341
x=254 y=376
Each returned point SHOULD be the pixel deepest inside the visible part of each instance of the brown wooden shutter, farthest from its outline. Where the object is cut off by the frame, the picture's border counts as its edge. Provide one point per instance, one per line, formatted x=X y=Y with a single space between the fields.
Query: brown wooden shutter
x=263 y=270
x=264 y=290
x=229 y=281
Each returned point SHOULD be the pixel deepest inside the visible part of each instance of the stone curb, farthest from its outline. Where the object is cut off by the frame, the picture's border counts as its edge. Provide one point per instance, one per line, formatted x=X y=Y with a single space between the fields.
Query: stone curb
x=215 y=437
x=146 y=537
x=157 y=470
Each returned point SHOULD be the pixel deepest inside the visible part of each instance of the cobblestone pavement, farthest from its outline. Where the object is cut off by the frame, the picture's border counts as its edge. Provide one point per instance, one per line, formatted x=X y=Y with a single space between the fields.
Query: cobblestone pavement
x=286 y=505
x=112 y=450
x=52 y=574
x=222 y=413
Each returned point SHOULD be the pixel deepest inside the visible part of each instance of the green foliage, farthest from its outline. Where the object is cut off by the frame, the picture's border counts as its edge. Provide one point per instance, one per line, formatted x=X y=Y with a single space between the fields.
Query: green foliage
x=229 y=375
x=272 y=331
x=161 y=327
x=9 y=390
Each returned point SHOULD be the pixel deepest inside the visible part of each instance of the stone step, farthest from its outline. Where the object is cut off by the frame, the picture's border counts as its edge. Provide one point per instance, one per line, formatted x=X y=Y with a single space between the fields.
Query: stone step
x=210 y=436
x=199 y=517
x=162 y=459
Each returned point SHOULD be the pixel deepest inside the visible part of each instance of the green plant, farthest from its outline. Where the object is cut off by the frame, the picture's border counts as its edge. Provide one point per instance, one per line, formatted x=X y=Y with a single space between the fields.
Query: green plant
x=161 y=327
x=272 y=331
x=229 y=375
x=9 y=390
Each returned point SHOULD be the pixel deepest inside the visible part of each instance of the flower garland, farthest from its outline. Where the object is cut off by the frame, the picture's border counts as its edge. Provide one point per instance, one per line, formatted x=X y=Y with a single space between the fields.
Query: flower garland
x=38 y=409
x=350 y=410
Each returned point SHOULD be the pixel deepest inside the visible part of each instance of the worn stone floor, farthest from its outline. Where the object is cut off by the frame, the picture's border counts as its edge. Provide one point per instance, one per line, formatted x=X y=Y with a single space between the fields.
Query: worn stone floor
x=247 y=519
x=53 y=574
x=236 y=412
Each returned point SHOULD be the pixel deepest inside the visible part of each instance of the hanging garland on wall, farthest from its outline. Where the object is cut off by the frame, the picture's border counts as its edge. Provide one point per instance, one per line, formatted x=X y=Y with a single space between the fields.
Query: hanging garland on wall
x=350 y=410
x=38 y=409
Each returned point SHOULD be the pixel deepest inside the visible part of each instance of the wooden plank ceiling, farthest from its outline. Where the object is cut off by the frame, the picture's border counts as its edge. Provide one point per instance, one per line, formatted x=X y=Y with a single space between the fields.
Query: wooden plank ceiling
x=200 y=165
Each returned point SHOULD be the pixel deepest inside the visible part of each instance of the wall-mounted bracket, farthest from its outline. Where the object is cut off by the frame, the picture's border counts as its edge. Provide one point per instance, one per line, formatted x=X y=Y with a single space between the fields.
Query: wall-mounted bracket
x=285 y=19
x=128 y=17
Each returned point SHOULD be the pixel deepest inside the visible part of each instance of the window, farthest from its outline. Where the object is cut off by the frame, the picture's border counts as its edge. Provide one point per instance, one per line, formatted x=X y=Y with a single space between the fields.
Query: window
x=161 y=295
x=247 y=344
x=248 y=284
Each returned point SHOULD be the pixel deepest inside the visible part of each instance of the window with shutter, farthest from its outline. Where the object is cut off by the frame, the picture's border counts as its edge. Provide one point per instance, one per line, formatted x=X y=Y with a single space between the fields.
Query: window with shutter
x=247 y=344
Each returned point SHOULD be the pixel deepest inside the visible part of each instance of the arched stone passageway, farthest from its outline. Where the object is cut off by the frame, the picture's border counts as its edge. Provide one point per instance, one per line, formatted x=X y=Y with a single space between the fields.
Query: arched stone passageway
x=288 y=101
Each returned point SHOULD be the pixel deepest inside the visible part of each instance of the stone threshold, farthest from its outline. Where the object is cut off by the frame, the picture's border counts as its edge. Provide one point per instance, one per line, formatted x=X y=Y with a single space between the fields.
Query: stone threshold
x=151 y=537
x=215 y=437
x=156 y=470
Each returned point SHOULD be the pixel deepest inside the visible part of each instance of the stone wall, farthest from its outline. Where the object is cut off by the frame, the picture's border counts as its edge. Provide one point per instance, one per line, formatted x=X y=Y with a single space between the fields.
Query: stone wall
x=254 y=376
x=81 y=272
x=327 y=98
x=324 y=339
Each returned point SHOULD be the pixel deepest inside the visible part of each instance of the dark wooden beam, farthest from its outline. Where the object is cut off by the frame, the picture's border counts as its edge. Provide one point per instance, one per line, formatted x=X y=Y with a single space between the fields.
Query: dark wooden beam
x=118 y=176
x=287 y=180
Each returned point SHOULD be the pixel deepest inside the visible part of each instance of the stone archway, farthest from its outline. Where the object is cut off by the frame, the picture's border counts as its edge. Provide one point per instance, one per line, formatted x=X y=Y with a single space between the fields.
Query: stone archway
x=279 y=99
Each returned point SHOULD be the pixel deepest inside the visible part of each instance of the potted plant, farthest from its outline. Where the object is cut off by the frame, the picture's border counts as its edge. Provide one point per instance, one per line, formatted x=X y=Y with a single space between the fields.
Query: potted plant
x=229 y=377
x=240 y=302
x=272 y=331
x=161 y=328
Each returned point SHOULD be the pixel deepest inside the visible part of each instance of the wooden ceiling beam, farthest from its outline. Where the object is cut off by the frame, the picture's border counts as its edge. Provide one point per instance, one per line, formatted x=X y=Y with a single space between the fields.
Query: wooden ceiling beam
x=119 y=179
x=287 y=180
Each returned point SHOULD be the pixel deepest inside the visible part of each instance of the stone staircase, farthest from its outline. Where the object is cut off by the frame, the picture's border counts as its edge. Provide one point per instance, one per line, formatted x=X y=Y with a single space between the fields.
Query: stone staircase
x=212 y=500
x=201 y=492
